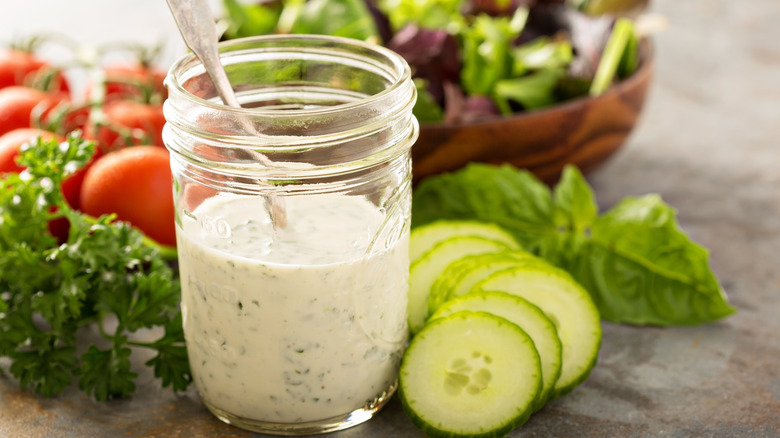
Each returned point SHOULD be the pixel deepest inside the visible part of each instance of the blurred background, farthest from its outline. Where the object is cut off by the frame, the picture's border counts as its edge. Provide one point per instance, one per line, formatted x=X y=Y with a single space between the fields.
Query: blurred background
x=91 y=24
x=715 y=86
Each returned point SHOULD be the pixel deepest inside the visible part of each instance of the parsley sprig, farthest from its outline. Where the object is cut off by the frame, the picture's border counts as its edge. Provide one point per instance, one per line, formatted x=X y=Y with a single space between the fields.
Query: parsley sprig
x=106 y=286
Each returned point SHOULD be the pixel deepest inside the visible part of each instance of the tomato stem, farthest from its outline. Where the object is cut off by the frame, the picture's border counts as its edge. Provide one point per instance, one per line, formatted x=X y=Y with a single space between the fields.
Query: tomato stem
x=167 y=252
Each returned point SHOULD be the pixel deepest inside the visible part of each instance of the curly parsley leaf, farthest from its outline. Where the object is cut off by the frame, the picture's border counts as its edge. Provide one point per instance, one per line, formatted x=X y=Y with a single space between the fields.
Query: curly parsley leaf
x=171 y=363
x=105 y=274
x=46 y=370
x=106 y=373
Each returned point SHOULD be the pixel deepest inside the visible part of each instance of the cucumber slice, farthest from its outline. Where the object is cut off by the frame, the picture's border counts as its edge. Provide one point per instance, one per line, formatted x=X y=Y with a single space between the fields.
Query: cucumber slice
x=569 y=307
x=529 y=318
x=471 y=374
x=424 y=271
x=460 y=276
x=423 y=238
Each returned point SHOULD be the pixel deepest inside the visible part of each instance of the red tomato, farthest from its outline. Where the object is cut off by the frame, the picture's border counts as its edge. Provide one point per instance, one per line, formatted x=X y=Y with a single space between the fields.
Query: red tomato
x=21 y=106
x=10 y=143
x=18 y=67
x=75 y=117
x=127 y=123
x=9 y=151
x=137 y=82
x=136 y=184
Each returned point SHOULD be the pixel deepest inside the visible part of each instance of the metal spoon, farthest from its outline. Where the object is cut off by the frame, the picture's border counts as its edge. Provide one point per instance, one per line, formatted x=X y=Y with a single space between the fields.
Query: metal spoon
x=196 y=24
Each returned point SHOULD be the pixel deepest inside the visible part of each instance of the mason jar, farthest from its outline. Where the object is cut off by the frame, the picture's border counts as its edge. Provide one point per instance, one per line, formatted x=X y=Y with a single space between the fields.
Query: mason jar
x=292 y=224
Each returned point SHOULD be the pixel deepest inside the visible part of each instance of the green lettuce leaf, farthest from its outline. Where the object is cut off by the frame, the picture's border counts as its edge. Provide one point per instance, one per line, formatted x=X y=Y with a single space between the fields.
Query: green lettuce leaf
x=425 y=108
x=540 y=53
x=487 y=52
x=246 y=20
x=534 y=91
x=345 y=18
x=430 y=14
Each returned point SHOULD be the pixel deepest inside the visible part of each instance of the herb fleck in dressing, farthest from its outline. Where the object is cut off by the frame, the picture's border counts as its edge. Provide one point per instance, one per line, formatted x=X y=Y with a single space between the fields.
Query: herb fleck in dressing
x=297 y=324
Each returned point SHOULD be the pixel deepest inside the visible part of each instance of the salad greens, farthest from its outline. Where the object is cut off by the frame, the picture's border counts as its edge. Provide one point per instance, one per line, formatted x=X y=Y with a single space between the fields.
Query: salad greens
x=345 y=18
x=616 y=58
x=475 y=59
x=637 y=264
x=106 y=276
x=428 y=14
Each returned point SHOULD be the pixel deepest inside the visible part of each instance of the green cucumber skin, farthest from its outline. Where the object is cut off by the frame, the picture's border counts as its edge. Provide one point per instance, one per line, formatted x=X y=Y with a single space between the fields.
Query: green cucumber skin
x=480 y=302
x=586 y=367
x=492 y=267
x=445 y=229
x=417 y=306
x=560 y=392
x=451 y=278
x=434 y=432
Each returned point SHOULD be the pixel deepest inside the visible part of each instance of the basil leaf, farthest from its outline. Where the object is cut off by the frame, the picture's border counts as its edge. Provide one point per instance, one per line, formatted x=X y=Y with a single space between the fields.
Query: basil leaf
x=635 y=261
x=513 y=199
x=575 y=210
x=575 y=203
x=642 y=269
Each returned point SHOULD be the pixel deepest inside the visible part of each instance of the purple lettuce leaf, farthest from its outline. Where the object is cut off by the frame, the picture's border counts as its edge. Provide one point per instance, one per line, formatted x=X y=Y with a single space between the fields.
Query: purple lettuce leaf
x=432 y=55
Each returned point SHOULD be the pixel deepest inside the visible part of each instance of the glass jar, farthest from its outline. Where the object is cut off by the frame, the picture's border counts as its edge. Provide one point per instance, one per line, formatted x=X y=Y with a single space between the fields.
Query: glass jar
x=292 y=223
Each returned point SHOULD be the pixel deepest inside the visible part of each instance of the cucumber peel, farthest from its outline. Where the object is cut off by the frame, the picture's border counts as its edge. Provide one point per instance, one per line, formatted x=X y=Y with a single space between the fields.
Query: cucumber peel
x=457 y=284
x=470 y=374
x=425 y=237
x=525 y=315
x=426 y=269
x=570 y=308
x=460 y=276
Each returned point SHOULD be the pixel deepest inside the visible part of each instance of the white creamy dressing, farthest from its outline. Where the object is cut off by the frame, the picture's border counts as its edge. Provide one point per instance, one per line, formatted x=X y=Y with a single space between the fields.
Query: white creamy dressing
x=297 y=324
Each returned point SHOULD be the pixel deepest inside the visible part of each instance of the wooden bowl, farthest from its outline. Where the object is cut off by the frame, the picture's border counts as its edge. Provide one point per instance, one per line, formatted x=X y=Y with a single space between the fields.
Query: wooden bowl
x=584 y=132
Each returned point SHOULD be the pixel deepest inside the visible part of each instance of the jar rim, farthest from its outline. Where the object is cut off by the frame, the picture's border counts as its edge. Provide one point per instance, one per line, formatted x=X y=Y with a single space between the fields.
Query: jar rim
x=371 y=125
x=287 y=41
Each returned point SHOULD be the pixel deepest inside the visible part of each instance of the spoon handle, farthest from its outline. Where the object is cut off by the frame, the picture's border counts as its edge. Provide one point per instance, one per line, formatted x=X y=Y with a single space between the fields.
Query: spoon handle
x=196 y=24
x=194 y=20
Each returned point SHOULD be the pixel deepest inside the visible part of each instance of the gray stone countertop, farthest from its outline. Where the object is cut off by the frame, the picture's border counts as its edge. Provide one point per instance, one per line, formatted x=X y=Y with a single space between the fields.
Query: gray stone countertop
x=708 y=142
